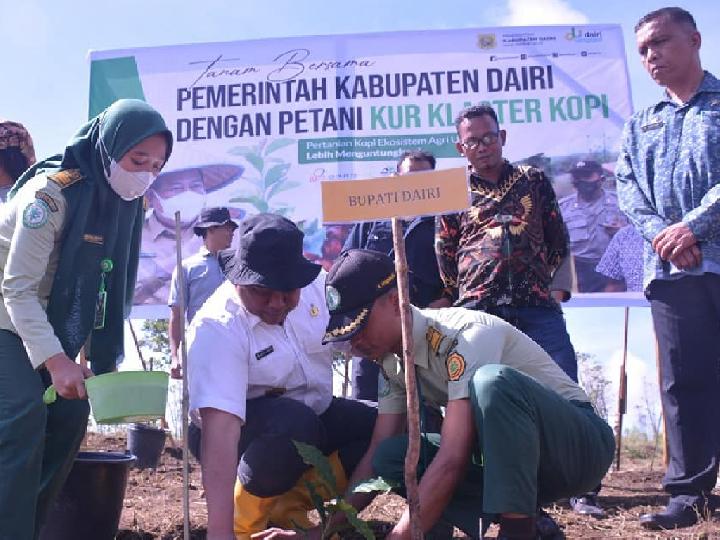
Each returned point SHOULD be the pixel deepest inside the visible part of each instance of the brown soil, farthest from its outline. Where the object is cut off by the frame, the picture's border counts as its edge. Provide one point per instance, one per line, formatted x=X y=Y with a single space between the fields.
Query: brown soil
x=153 y=502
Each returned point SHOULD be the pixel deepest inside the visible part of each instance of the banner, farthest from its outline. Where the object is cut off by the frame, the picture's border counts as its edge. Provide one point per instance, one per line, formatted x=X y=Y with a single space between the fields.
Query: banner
x=259 y=124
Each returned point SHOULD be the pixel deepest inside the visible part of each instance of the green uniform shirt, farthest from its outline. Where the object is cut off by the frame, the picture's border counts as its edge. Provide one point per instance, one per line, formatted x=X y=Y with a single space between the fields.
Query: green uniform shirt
x=451 y=343
x=31 y=226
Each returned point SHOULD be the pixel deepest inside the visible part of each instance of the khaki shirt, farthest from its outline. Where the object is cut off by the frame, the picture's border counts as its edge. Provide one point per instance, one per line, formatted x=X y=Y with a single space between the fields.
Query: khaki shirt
x=158 y=259
x=31 y=226
x=451 y=344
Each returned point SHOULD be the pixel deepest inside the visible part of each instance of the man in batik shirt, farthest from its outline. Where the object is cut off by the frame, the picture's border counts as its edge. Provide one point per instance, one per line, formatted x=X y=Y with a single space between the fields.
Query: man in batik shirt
x=499 y=256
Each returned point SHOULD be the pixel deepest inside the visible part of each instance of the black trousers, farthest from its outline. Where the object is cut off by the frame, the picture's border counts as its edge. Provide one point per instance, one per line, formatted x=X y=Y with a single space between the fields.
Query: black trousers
x=269 y=463
x=686 y=317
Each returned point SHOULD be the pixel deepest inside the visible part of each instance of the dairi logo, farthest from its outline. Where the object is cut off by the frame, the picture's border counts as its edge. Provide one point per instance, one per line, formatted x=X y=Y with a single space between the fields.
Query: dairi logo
x=486 y=41
x=584 y=36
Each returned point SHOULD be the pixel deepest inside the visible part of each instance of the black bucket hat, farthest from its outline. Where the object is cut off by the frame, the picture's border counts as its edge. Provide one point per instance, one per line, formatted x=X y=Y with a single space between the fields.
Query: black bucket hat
x=356 y=279
x=213 y=217
x=270 y=254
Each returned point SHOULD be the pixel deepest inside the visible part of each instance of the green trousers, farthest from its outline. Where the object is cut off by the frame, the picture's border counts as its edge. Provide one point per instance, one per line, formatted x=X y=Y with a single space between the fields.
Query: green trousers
x=533 y=447
x=38 y=443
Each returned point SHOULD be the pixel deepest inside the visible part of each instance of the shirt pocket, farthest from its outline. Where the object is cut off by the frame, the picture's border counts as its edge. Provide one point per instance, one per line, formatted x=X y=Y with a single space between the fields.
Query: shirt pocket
x=268 y=367
x=311 y=332
x=709 y=133
x=577 y=226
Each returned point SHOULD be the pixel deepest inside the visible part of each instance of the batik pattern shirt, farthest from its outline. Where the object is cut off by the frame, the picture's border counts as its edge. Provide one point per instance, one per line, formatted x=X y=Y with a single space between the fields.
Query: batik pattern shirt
x=622 y=260
x=505 y=248
x=669 y=172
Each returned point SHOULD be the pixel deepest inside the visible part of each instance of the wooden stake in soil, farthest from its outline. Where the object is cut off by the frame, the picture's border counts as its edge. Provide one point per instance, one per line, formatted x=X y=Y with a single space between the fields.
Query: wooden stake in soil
x=185 y=397
x=338 y=207
x=413 y=415
x=622 y=392
x=137 y=345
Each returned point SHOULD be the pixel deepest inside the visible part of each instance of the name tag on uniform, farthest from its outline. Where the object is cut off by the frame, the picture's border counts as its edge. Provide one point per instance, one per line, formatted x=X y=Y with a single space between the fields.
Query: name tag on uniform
x=652 y=125
x=262 y=354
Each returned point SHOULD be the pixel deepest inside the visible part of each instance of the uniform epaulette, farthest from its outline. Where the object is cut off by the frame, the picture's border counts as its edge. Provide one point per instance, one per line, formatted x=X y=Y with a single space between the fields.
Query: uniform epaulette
x=66 y=178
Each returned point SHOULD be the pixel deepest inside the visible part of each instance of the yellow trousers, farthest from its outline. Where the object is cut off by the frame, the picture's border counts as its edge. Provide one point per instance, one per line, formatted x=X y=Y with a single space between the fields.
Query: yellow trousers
x=289 y=510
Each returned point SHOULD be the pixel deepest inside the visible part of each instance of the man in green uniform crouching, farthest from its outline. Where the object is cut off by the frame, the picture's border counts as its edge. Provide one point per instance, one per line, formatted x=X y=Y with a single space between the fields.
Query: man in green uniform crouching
x=518 y=432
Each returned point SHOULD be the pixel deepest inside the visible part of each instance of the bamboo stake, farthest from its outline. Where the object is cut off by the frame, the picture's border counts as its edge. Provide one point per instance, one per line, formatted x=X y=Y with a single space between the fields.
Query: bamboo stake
x=413 y=416
x=185 y=396
x=622 y=392
x=137 y=345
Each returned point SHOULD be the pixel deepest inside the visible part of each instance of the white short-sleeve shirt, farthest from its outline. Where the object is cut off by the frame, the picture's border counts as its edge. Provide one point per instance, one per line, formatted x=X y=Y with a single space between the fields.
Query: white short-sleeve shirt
x=233 y=356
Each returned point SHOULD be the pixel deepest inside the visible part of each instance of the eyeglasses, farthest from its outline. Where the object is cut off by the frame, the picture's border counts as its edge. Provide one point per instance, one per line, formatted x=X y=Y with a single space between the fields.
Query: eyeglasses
x=486 y=140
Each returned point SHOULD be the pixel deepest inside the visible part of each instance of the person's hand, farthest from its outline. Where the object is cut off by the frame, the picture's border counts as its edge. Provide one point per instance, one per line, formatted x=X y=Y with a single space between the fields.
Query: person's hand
x=560 y=296
x=276 y=532
x=401 y=531
x=672 y=240
x=440 y=303
x=68 y=378
x=688 y=258
x=176 y=368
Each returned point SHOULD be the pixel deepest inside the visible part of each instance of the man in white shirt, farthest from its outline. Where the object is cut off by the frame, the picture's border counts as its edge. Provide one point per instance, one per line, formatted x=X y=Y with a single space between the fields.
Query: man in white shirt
x=261 y=378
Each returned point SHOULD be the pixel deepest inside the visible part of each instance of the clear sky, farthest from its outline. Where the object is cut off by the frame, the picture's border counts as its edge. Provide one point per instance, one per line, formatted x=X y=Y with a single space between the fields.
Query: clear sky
x=44 y=74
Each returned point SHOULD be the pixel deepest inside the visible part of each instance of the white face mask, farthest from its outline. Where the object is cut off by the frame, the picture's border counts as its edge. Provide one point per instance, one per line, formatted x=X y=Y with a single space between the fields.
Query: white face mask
x=188 y=203
x=129 y=185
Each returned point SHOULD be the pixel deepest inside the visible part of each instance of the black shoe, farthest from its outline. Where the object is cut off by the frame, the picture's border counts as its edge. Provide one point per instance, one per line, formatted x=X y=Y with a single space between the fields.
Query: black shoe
x=675 y=516
x=545 y=528
x=587 y=505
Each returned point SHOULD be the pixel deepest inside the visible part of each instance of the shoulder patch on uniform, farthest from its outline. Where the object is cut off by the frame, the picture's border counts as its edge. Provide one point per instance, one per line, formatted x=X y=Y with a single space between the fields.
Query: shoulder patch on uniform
x=47 y=199
x=36 y=214
x=66 y=178
x=434 y=338
x=455 y=366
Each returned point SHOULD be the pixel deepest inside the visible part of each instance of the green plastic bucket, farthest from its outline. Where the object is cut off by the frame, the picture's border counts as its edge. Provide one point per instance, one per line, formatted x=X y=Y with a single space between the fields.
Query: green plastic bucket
x=128 y=396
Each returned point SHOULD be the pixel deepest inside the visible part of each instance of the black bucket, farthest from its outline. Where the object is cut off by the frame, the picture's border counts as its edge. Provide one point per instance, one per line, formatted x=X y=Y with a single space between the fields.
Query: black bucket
x=91 y=501
x=146 y=443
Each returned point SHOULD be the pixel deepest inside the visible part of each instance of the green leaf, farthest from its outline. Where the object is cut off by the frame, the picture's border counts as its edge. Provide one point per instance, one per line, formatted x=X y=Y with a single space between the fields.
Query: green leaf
x=360 y=526
x=276 y=174
x=374 y=484
x=308 y=227
x=315 y=458
x=277 y=144
x=257 y=202
x=318 y=502
x=284 y=211
x=278 y=188
x=337 y=529
x=256 y=161
x=242 y=151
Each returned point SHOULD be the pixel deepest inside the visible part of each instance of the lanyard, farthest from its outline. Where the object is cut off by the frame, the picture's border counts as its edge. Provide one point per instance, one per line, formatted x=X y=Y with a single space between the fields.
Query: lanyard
x=106 y=267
